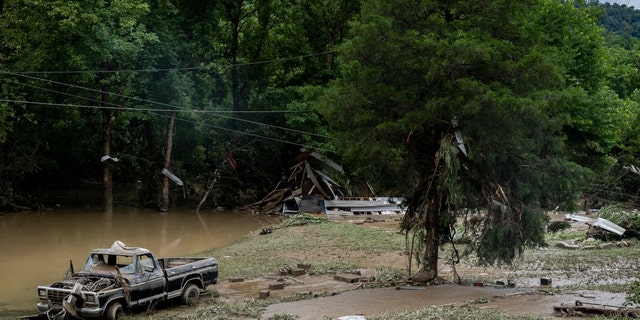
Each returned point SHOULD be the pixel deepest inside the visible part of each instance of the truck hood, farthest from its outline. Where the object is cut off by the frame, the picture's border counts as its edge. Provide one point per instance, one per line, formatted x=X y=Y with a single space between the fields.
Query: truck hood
x=99 y=269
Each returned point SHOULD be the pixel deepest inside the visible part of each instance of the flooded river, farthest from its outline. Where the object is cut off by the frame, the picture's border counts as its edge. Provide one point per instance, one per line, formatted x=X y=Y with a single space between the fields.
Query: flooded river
x=35 y=247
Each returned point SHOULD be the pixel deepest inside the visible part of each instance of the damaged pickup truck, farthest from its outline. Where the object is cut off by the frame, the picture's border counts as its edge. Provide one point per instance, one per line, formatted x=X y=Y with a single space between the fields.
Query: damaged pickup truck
x=122 y=279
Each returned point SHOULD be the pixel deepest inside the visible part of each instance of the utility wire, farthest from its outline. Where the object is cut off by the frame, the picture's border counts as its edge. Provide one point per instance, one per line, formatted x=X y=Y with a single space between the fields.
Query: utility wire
x=160 y=113
x=178 y=69
x=113 y=106
x=235 y=131
x=140 y=109
x=89 y=89
x=106 y=106
x=103 y=105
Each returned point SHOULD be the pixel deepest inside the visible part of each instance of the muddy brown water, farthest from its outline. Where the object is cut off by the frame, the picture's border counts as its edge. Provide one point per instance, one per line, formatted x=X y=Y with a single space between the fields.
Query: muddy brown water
x=35 y=247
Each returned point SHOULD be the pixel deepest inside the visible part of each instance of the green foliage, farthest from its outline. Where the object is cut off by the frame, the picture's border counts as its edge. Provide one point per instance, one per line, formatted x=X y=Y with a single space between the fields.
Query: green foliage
x=621 y=19
x=557 y=226
x=633 y=295
x=5 y=123
x=503 y=236
x=545 y=102
x=303 y=219
x=389 y=275
x=630 y=220
x=520 y=81
x=118 y=37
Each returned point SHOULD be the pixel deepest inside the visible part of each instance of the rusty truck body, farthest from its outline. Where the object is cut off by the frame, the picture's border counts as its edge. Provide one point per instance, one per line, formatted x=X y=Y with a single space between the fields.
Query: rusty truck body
x=122 y=279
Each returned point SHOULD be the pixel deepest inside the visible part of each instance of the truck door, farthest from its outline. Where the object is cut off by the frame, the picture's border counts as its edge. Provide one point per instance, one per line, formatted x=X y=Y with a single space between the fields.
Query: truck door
x=151 y=281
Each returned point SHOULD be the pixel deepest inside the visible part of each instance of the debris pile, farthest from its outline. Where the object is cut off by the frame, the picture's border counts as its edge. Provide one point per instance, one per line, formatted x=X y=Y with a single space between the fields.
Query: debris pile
x=303 y=189
x=585 y=309
x=308 y=189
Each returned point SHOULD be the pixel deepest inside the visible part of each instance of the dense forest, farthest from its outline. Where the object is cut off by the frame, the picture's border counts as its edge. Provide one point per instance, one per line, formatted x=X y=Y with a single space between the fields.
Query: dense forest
x=514 y=106
x=188 y=85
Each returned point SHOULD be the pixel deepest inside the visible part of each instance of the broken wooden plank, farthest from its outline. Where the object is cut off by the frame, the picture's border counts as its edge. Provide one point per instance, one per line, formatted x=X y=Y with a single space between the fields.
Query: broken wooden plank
x=328 y=162
x=276 y=286
x=349 y=278
x=312 y=177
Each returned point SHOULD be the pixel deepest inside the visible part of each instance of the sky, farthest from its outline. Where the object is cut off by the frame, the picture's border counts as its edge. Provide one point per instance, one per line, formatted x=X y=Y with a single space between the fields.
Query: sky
x=629 y=3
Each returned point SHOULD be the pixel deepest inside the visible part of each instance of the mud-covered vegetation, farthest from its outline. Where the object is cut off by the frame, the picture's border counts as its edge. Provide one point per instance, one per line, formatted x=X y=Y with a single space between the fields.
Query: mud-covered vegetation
x=328 y=247
x=613 y=270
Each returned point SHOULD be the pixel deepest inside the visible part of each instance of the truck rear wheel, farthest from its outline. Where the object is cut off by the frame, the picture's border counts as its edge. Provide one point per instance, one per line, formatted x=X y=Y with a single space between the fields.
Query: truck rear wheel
x=114 y=311
x=190 y=294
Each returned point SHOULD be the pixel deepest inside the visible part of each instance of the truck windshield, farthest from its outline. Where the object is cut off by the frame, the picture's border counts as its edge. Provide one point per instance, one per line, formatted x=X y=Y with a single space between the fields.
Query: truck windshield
x=96 y=261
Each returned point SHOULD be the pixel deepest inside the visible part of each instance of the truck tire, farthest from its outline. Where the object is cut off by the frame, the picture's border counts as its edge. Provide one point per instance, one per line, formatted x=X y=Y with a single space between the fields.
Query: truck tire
x=190 y=294
x=114 y=311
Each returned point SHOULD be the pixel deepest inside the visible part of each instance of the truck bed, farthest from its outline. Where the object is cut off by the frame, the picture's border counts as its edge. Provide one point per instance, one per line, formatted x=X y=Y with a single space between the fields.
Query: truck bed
x=176 y=268
x=169 y=263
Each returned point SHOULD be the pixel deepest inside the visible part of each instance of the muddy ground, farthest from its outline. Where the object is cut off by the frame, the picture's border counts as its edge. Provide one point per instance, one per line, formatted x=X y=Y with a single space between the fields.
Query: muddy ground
x=481 y=286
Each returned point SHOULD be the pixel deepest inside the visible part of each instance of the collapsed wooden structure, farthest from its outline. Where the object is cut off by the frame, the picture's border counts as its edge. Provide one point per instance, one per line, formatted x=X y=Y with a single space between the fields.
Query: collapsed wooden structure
x=309 y=189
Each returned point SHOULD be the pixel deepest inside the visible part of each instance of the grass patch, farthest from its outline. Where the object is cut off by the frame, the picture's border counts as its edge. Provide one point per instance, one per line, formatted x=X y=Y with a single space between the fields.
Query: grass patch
x=565 y=235
x=245 y=309
x=303 y=219
x=451 y=313
x=257 y=255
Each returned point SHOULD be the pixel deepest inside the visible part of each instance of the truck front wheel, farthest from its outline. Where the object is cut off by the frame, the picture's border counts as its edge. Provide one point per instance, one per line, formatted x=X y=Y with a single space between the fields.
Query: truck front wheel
x=114 y=311
x=190 y=294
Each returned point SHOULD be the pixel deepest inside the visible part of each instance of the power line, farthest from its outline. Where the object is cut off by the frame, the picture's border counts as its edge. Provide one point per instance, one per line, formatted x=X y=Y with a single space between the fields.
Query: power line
x=178 y=69
x=157 y=113
x=236 y=131
x=111 y=106
x=107 y=106
x=103 y=105
x=274 y=126
x=90 y=89
x=115 y=106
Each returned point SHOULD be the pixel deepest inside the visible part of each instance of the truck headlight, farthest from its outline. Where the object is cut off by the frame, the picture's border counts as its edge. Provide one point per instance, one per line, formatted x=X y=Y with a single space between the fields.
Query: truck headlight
x=90 y=299
x=42 y=293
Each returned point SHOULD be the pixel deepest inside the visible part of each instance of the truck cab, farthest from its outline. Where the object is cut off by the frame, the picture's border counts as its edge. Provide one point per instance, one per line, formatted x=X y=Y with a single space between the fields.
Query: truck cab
x=137 y=267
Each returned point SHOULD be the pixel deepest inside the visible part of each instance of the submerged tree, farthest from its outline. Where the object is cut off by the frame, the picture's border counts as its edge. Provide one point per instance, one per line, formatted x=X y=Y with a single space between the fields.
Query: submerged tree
x=466 y=105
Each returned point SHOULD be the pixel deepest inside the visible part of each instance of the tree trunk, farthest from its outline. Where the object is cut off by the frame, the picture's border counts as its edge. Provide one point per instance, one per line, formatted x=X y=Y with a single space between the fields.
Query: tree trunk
x=204 y=198
x=423 y=212
x=108 y=119
x=431 y=241
x=167 y=162
x=330 y=53
x=107 y=176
